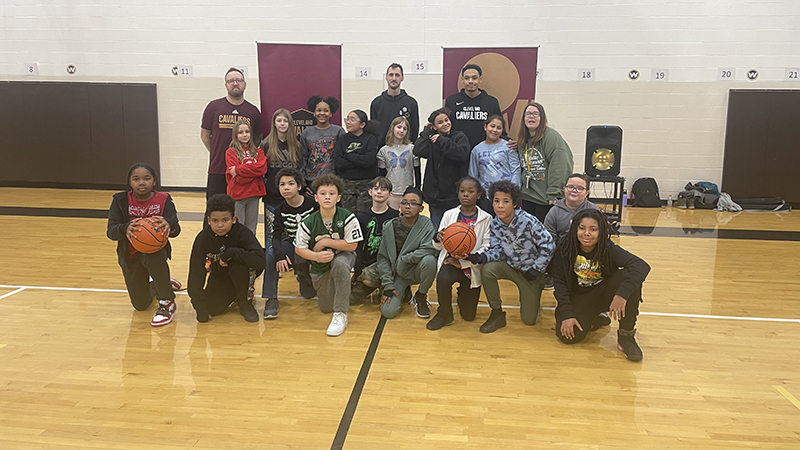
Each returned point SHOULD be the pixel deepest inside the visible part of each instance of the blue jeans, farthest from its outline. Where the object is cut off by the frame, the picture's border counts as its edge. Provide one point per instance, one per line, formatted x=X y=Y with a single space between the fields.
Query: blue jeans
x=270 y=287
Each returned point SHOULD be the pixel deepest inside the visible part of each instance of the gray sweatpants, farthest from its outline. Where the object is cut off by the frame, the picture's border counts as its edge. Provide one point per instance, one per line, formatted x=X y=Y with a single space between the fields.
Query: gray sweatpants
x=333 y=286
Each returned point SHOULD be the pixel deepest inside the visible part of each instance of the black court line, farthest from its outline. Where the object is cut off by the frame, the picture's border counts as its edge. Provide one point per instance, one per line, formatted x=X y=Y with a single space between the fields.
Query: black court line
x=710 y=233
x=626 y=230
x=352 y=404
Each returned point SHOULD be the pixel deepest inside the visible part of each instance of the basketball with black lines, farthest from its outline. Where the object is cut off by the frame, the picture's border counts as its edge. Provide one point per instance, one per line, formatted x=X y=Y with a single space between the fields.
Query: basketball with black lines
x=150 y=238
x=459 y=239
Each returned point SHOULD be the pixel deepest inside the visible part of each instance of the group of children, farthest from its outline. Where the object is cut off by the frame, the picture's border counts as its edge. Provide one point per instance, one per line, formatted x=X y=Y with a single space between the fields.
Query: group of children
x=378 y=239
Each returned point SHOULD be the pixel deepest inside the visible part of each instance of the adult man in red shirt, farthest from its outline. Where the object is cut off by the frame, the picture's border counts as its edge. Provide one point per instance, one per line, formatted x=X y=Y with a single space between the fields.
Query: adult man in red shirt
x=215 y=130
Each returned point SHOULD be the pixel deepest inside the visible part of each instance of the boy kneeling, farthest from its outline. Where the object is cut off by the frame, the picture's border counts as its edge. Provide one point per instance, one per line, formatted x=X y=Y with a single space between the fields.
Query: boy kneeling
x=328 y=238
x=225 y=251
x=407 y=257
x=520 y=249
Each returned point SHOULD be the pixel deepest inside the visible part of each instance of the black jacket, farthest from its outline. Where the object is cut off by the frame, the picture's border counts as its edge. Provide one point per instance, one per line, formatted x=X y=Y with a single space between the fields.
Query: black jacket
x=118 y=221
x=384 y=108
x=448 y=162
x=240 y=244
x=356 y=157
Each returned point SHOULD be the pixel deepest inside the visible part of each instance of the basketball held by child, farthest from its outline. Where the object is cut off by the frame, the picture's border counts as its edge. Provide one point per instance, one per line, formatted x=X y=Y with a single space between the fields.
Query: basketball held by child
x=150 y=237
x=459 y=239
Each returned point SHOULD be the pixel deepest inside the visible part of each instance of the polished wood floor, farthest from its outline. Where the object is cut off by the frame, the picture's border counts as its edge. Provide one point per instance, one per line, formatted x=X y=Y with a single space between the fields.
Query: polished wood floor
x=79 y=368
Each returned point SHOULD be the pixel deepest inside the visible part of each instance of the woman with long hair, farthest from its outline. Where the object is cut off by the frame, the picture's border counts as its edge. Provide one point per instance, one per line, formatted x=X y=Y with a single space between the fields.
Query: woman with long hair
x=546 y=161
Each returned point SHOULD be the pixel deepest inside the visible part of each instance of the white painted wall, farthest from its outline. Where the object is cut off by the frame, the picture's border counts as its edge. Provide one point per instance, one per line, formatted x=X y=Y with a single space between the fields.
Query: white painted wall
x=673 y=130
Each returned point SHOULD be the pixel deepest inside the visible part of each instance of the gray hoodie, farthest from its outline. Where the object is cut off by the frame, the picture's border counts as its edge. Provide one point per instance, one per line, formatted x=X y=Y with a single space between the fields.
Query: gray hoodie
x=559 y=218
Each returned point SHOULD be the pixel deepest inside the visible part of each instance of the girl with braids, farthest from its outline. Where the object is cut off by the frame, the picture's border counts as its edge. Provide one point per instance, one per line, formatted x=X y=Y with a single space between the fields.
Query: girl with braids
x=317 y=142
x=282 y=150
x=246 y=165
x=591 y=275
x=355 y=157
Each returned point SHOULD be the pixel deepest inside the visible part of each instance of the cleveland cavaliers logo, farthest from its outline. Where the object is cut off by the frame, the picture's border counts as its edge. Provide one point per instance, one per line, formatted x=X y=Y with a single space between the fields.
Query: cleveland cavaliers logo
x=501 y=79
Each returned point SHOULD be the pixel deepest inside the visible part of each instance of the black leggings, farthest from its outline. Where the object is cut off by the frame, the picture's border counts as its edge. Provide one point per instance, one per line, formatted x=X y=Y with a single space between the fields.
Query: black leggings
x=588 y=303
x=137 y=272
x=467 y=298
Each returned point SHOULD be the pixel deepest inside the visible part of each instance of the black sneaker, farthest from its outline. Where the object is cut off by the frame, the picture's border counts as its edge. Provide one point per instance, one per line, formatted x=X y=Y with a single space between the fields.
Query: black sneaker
x=247 y=311
x=627 y=344
x=602 y=320
x=271 y=309
x=306 y=286
x=420 y=302
x=495 y=321
x=438 y=322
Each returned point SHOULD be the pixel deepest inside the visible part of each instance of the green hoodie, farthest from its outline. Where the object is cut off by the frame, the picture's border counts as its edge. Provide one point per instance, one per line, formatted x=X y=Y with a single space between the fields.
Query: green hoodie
x=419 y=243
x=545 y=167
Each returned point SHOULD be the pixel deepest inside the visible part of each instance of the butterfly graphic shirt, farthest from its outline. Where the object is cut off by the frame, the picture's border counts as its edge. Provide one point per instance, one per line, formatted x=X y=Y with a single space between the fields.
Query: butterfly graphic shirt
x=399 y=162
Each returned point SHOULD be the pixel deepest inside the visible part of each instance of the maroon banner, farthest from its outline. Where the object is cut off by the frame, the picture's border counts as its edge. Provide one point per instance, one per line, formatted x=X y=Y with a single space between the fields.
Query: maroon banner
x=509 y=74
x=288 y=74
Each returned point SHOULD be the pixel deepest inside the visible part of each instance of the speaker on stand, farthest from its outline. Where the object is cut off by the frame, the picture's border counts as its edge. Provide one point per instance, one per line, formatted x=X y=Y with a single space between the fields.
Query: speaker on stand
x=602 y=165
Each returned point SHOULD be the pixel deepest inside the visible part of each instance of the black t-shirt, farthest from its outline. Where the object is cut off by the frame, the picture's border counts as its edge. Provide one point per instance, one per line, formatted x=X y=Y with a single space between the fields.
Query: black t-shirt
x=372 y=230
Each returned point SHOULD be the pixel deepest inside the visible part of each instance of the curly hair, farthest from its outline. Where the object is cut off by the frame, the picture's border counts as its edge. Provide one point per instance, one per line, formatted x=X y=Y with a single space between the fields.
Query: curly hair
x=315 y=100
x=328 y=179
x=506 y=187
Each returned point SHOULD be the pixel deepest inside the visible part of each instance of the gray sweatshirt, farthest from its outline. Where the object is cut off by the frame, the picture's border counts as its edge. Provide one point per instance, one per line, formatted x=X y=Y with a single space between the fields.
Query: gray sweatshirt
x=559 y=218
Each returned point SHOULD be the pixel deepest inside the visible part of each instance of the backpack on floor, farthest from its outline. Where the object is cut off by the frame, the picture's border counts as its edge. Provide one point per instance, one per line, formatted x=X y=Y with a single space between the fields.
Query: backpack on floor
x=644 y=193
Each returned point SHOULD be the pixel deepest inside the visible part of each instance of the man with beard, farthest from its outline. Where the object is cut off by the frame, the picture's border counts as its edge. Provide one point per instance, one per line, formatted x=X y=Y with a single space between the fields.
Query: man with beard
x=215 y=130
x=392 y=103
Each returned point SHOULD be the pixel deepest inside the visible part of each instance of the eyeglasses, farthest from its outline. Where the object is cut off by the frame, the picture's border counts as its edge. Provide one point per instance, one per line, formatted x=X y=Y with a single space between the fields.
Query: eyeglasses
x=379 y=189
x=235 y=81
x=532 y=114
x=351 y=119
x=570 y=187
x=405 y=203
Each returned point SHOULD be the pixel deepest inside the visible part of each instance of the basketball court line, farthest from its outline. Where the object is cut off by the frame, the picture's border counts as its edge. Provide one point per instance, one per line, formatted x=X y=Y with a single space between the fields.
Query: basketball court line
x=788 y=396
x=20 y=288
x=355 y=395
x=625 y=230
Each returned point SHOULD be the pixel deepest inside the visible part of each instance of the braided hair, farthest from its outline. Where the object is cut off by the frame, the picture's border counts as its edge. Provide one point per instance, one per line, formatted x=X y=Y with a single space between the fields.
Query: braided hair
x=570 y=246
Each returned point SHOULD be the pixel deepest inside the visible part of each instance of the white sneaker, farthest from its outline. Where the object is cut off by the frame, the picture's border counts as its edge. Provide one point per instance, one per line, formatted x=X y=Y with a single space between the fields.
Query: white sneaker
x=164 y=314
x=338 y=324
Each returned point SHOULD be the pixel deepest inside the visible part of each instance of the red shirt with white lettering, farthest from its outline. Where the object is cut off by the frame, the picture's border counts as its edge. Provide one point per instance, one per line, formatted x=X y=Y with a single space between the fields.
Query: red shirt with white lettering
x=139 y=209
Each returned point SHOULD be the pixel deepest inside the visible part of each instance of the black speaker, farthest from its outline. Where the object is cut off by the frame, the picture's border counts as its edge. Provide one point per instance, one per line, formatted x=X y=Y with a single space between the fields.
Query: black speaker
x=603 y=150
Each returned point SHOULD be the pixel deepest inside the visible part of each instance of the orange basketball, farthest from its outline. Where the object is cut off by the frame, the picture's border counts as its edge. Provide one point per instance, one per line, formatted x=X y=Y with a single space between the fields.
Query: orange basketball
x=459 y=239
x=149 y=238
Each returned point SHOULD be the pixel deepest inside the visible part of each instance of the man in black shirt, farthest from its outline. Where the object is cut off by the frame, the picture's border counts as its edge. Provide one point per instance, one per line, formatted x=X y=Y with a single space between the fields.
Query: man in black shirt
x=394 y=102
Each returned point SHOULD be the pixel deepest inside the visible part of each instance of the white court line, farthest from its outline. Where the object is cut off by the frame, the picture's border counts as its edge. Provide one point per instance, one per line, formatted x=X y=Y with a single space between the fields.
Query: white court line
x=20 y=288
x=12 y=293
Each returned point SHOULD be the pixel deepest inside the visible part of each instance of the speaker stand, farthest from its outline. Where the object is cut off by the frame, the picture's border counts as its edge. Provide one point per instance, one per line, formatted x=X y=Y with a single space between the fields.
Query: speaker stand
x=612 y=198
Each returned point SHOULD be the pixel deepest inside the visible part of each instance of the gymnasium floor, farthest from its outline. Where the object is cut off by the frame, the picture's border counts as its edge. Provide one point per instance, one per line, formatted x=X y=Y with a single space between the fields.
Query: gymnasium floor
x=79 y=368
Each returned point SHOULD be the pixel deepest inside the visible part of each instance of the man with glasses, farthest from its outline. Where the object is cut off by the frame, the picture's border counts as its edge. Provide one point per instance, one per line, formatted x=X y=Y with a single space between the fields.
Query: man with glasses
x=215 y=129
